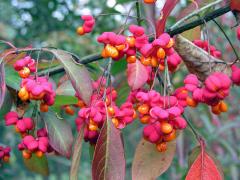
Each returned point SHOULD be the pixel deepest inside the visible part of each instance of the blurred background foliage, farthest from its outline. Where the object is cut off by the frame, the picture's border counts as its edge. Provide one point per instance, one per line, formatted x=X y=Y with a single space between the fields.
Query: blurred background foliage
x=52 y=23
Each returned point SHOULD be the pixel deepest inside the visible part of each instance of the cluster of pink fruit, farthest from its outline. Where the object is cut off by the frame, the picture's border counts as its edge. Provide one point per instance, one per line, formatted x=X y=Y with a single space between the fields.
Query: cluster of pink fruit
x=4 y=154
x=25 y=66
x=29 y=144
x=216 y=88
x=94 y=115
x=32 y=87
x=22 y=125
x=161 y=114
x=152 y=53
x=88 y=25
x=207 y=47
x=38 y=145
x=37 y=89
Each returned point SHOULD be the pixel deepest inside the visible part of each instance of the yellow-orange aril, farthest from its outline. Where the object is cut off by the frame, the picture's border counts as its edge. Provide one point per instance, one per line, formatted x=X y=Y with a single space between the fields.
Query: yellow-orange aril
x=24 y=73
x=154 y=61
x=146 y=61
x=131 y=59
x=26 y=154
x=161 y=147
x=120 y=47
x=39 y=154
x=43 y=107
x=115 y=121
x=170 y=44
x=149 y=1
x=131 y=41
x=111 y=51
x=223 y=107
x=161 y=53
x=111 y=111
x=80 y=31
x=166 y=128
x=170 y=137
x=104 y=54
x=6 y=159
x=145 y=119
x=191 y=102
x=69 y=110
x=143 y=109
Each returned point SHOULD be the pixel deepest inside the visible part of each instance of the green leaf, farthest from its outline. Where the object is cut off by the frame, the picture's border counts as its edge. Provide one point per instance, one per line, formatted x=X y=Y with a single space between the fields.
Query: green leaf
x=65 y=100
x=76 y=156
x=37 y=165
x=66 y=89
x=12 y=78
x=60 y=133
x=78 y=74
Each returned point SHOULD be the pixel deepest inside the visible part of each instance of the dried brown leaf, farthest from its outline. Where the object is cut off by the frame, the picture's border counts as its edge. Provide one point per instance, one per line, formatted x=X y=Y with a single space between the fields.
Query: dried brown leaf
x=197 y=60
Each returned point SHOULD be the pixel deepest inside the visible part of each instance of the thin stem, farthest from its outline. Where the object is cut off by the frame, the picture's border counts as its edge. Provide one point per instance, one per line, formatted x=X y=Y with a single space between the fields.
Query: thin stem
x=138 y=13
x=108 y=79
x=193 y=24
x=124 y=24
x=7 y=43
x=195 y=13
x=135 y=17
x=197 y=136
x=226 y=36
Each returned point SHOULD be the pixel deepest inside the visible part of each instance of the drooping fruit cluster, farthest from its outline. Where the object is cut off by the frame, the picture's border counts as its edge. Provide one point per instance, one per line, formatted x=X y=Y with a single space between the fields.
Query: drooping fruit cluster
x=29 y=144
x=161 y=114
x=32 y=87
x=114 y=45
x=4 y=154
x=88 y=25
x=38 y=145
x=151 y=54
x=22 y=125
x=207 y=47
x=37 y=89
x=215 y=89
x=25 y=66
x=159 y=49
x=94 y=115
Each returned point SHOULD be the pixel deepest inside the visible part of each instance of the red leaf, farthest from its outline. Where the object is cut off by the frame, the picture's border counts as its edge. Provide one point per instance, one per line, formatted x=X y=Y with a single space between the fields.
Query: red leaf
x=235 y=5
x=137 y=75
x=204 y=167
x=109 y=161
x=148 y=163
x=167 y=9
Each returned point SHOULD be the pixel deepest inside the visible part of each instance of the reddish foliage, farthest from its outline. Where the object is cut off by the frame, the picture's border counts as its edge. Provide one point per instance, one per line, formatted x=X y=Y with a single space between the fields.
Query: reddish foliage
x=167 y=9
x=137 y=75
x=109 y=161
x=235 y=5
x=204 y=167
